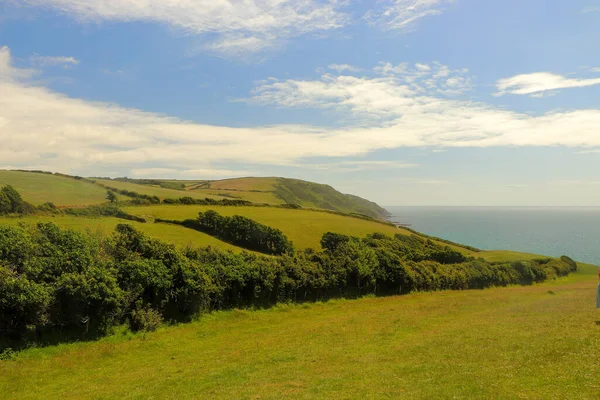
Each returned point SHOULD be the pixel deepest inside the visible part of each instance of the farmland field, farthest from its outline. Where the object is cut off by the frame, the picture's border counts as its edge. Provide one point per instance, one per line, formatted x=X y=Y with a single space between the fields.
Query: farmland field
x=41 y=188
x=303 y=227
x=169 y=233
x=540 y=341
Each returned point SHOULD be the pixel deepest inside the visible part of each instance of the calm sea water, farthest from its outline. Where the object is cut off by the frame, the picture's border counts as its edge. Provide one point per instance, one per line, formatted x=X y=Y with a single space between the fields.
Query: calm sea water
x=550 y=231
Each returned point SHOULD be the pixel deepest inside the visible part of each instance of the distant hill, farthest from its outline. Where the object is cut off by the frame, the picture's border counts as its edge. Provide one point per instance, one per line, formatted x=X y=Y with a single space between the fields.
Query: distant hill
x=294 y=191
x=63 y=190
x=272 y=191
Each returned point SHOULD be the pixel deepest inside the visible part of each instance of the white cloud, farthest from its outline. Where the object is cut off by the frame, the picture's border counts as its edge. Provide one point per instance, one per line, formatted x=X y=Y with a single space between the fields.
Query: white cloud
x=40 y=127
x=539 y=82
x=343 y=67
x=172 y=173
x=354 y=166
x=50 y=61
x=590 y=9
x=403 y=14
x=249 y=25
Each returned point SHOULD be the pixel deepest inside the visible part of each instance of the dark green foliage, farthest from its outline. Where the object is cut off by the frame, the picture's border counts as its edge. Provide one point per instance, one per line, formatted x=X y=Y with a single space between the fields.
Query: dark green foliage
x=108 y=210
x=11 y=202
x=111 y=196
x=189 y=201
x=241 y=231
x=59 y=282
x=146 y=319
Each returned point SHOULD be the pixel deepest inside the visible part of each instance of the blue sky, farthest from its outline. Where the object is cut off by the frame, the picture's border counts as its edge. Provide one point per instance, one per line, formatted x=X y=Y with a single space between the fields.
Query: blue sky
x=405 y=102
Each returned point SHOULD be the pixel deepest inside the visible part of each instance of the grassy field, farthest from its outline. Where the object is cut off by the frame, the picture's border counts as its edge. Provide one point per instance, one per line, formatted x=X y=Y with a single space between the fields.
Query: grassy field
x=255 y=197
x=262 y=184
x=41 y=188
x=540 y=342
x=303 y=227
x=162 y=193
x=169 y=233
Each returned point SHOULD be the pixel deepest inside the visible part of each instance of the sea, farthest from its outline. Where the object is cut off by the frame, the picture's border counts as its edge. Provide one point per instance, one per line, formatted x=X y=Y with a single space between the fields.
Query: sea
x=552 y=231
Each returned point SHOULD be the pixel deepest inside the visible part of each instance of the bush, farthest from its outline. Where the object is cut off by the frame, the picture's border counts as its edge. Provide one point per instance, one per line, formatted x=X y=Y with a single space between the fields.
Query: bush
x=58 y=281
x=145 y=320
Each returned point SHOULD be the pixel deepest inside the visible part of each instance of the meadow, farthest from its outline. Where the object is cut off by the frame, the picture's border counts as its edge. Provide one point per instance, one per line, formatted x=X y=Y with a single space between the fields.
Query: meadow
x=540 y=341
x=174 y=234
x=39 y=188
x=303 y=227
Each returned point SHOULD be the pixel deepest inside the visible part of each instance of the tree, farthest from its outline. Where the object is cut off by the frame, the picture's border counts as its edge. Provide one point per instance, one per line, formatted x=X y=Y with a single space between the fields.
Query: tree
x=5 y=206
x=15 y=199
x=111 y=196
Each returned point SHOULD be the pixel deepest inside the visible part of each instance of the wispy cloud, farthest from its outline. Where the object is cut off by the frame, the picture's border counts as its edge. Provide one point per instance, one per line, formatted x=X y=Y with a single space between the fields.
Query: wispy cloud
x=240 y=26
x=404 y=14
x=538 y=83
x=590 y=9
x=40 y=127
x=53 y=61
x=343 y=67
x=354 y=166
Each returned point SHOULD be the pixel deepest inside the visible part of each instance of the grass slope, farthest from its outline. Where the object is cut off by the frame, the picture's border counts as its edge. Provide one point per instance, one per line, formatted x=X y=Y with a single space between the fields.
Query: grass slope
x=303 y=227
x=275 y=191
x=37 y=188
x=539 y=341
x=162 y=193
x=174 y=234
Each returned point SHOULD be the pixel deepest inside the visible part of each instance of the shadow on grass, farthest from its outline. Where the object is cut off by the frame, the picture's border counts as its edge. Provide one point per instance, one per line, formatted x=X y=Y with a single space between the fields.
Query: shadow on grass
x=598 y=323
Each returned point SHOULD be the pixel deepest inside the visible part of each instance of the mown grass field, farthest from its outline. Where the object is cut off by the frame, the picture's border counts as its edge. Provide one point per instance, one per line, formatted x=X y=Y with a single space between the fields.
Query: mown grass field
x=174 y=234
x=532 y=342
x=303 y=227
x=41 y=188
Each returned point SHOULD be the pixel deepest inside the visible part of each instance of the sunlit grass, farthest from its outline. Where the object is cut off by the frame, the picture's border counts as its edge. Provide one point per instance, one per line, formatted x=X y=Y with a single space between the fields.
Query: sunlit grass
x=41 y=188
x=304 y=227
x=539 y=341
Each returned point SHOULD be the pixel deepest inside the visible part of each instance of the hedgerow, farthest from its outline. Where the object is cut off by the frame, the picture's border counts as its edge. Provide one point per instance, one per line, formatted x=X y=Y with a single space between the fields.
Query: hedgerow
x=59 y=283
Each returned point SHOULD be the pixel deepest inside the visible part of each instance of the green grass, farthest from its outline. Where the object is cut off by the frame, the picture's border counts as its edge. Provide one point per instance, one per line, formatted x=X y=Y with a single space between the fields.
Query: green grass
x=303 y=227
x=169 y=233
x=262 y=184
x=255 y=197
x=162 y=193
x=539 y=342
x=38 y=188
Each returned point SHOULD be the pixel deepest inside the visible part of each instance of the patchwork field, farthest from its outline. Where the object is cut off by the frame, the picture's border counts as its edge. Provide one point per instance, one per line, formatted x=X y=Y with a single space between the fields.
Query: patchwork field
x=62 y=191
x=539 y=342
x=303 y=227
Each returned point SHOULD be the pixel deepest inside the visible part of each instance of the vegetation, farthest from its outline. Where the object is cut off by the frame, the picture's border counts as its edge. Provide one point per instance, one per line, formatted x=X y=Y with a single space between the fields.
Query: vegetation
x=518 y=342
x=294 y=191
x=55 y=280
x=39 y=188
x=303 y=227
x=240 y=231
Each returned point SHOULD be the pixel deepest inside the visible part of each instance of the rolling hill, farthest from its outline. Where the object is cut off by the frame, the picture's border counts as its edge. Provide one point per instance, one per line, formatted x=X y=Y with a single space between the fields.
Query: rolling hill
x=258 y=190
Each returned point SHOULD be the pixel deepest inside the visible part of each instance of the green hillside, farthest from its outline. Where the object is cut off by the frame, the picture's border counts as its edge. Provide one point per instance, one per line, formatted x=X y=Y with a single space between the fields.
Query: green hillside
x=39 y=188
x=257 y=190
x=303 y=227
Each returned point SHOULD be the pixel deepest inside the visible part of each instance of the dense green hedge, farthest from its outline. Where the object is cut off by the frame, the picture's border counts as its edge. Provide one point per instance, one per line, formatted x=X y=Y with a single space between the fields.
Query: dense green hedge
x=72 y=285
x=240 y=231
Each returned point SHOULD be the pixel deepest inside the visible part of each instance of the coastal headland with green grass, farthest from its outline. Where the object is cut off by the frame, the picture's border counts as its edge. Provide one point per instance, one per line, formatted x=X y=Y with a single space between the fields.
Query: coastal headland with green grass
x=271 y=288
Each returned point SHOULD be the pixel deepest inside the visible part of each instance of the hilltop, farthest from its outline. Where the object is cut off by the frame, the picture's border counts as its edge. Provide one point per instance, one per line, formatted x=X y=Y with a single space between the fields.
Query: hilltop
x=266 y=190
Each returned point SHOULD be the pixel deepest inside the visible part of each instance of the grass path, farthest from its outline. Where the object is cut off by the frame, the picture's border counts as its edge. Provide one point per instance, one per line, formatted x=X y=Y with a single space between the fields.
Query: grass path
x=538 y=342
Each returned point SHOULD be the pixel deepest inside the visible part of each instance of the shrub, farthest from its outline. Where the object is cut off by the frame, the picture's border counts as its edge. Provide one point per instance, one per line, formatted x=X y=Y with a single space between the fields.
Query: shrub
x=145 y=320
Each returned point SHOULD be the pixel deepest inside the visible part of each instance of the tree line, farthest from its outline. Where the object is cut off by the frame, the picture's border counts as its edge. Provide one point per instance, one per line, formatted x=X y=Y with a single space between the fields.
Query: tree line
x=240 y=231
x=59 y=283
